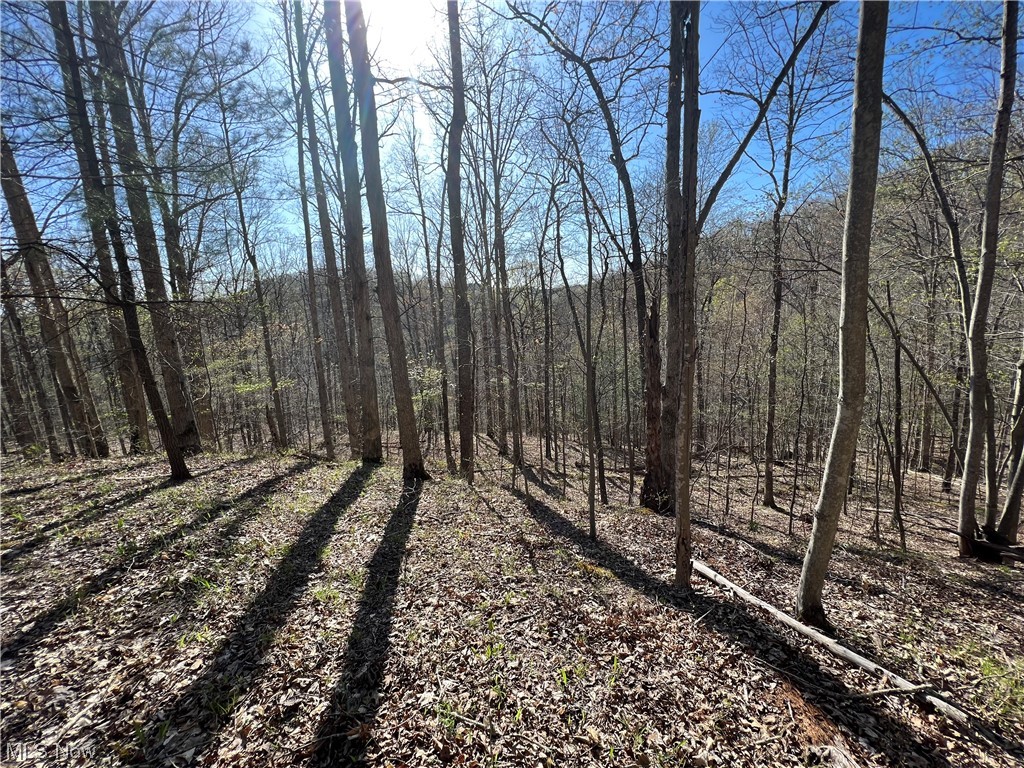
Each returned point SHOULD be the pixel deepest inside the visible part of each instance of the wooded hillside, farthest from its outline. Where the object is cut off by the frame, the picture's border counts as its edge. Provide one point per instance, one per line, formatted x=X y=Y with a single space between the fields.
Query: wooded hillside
x=570 y=314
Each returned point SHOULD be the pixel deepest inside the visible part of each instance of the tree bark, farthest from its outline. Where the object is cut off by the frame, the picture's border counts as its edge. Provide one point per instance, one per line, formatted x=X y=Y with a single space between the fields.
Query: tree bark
x=865 y=140
x=348 y=372
x=412 y=458
x=355 y=258
x=977 y=347
x=53 y=317
x=111 y=58
x=689 y=30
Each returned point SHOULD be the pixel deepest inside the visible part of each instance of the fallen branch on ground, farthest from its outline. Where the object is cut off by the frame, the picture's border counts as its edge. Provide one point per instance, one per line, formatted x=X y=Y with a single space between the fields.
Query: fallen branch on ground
x=921 y=693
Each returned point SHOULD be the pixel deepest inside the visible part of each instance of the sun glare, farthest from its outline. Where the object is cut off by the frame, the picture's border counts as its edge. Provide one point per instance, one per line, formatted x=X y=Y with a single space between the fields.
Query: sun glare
x=402 y=32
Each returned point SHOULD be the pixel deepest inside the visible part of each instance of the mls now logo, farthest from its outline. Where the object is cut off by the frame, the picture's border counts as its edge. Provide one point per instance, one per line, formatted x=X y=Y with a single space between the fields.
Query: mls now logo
x=23 y=751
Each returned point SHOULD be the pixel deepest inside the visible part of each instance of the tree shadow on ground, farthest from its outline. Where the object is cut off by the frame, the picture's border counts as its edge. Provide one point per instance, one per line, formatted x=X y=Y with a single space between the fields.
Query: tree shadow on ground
x=530 y=474
x=19 y=647
x=23 y=490
x=344 y=729
x=95 y=512
x=200 y=710
x=817 y=685
x=783 y=555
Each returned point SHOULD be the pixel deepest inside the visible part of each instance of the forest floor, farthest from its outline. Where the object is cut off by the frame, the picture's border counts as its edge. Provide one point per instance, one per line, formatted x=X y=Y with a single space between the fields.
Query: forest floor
x=278 y=612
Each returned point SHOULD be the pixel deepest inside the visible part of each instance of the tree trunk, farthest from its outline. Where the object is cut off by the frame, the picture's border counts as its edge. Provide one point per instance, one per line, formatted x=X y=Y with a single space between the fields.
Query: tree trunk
x=1009 y=521
x=348 y=372
x=352 y=212
x=688 y=293
x=53 y=317
x=190 y=337
x=412 y=458
x=927 y=428
x=323 y=400
x=773 y=340
x=95 y=203
x=865 y=139
x=977 y=347
x=111 y=58
x=281 y=435
x=24 y=435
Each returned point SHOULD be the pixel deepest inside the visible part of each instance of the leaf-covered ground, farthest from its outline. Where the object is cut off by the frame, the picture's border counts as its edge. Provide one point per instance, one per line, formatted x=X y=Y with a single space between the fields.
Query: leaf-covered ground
x=280 y=612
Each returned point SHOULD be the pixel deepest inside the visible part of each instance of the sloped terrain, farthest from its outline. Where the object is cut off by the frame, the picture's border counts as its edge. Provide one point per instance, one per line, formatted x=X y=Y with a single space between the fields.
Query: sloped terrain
x=276 y=611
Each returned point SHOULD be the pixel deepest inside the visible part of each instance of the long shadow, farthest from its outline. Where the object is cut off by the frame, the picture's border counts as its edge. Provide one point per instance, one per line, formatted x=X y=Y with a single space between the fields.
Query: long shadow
x=94 y=473
x=340 y=738
x=200 y=710
x=817 y=685
x=19 y=648
x=530 y=474
x=78 y=519
x=768 y=550
x=97 y=511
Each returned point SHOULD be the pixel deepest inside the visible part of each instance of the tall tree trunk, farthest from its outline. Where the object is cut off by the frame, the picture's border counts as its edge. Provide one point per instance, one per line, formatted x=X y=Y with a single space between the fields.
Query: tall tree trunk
x=348 y=373
x=190 y=337
x=442 y=343
x=860 y=203
x=977 y=347
x=95 y=203
x=323 y=400
x=492 y=315
x=927 y=427
x=352 y=211
x=111 y=57
x=688 y=26
x=412 y=458
x=773 y=339
x=53 y=317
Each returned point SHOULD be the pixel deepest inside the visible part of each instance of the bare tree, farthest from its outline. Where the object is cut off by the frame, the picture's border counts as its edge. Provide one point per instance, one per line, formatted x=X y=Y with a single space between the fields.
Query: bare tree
x=977 y=345
x=53 y=316
x=463 y=313
x=352 y=211
x=362 y=81
x=860 y=201
x=111 y=57
x=348 y=372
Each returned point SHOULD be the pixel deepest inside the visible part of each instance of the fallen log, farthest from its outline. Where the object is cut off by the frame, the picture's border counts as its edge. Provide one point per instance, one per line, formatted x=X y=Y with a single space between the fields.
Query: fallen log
x=924 y=694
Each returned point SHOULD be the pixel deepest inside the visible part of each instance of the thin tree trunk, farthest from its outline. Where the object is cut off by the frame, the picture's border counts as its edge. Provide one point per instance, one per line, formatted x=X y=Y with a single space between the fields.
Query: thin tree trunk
x=348 y=372
x=323 y=400
x=1009 y=521
x=976 y=330
x=865 y=140
x=927 y=429
x=773 y=340
x=412 y=458
x=53 y=317
x=24 y=434
x=281 y=432
x=352 y=212
x=111 y=58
